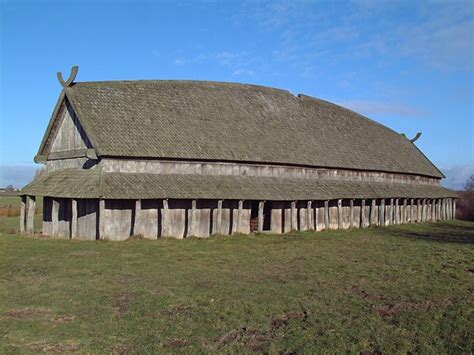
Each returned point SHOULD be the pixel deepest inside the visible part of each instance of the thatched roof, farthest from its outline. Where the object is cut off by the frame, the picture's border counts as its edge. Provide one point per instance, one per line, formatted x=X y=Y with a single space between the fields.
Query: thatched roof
x=80 y=183
x=236 y=122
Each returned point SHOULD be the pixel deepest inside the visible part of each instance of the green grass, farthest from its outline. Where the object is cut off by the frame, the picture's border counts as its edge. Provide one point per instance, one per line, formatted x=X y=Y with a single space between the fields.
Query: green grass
x=396 y=290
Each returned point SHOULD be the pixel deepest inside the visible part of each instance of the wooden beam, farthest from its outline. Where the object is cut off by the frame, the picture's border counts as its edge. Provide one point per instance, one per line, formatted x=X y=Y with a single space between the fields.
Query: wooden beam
x=309 y=215
x=165 y=218
x=294 y=216
x=30 y=214
x=261 y=205
x=390 y=216
x=382 y=212
x=362 y=214
x=396 y=213
x=454 y=208
x=418 y=210
x=219 y=218
x=423 y=210
x=339 y=214
x=192 y=220
x=433 y=210
x=372 y=212
x=73 y=218
x=326 y=214
x=101 y=219
x=22 y=214
x=351 y=213
x=137 y=225
x=316 y=217
x=405 y=210
x=411 y=211
x=240 y=214
x=55 y=217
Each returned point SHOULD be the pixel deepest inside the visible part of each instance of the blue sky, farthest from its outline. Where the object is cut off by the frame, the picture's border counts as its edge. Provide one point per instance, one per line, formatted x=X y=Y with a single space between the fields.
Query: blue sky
x=406 y=64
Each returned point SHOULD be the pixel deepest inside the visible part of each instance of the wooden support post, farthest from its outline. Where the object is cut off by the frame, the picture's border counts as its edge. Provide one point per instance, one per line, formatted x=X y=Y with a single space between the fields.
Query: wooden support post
x=219 y=218
x=310 y=215
x=382 y=212
x=261 y=206
x=362 y=214
x=351 y=213
x=339 y=214
x=326 y=214
x=240 y=215
x=30 y=214
x=450 y=203
x=316 y=218
x=372 y=212
x=396 y=219
x=411 y=211
x=433 y=210
x=454 y=208
x=294 y=216
x=22 y=214
x=418 y=210
x=193 y=221
x=390 y=213
x=423 y=210
x=138 y=217
x=439 y=210
x=101 y=219
x=54 y=217
x=73 y=218
x=405 y=210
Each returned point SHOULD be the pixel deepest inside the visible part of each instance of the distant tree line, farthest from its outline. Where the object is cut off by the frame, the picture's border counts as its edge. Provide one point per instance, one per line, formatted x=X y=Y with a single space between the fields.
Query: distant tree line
x=465 y=204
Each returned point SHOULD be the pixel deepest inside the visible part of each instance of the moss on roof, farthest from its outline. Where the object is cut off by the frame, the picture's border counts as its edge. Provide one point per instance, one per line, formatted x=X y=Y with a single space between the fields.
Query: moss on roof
x=236 y=122
x=80 y=183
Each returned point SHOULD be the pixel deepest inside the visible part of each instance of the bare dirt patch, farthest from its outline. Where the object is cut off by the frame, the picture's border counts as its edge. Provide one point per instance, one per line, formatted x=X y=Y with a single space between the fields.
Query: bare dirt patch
x=122 y=349
x=176 y=343
x=391 y=310
x=175 y=310
x=122 y=302
x=43 y=347
x=256 y=340
x=29 y=313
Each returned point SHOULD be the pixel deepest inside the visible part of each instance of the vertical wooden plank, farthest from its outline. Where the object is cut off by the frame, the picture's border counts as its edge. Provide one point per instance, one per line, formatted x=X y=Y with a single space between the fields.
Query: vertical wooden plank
x=139 y=225
x=294 y=216
x=351 y=216
x=326 y=214
x=390 y=216
x=240 y=214
x=309 y=212
x=22 y=214
x=101 y=219
x=30 y=214
x=192 y=227
x=433 y=210
x=454 y=208
x=395 y=213
x=73 y=218
x=418 y=210
x=219 y=218
x=165 y=219
x=362 y=214
x=405 y=211
x=382 y=212
x=410 y=211
x=372 y=212
x=260 y=216
x=423 y=210
x=316 y=216
x=339 y=214
x=55 y=217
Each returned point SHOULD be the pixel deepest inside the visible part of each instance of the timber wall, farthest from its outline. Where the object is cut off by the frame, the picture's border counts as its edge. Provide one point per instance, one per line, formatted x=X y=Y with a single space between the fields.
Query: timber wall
x=119 y=219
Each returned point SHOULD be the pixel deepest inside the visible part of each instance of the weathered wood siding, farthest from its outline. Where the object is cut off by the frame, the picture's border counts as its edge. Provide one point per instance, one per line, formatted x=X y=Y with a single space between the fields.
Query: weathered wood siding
x=69 y=134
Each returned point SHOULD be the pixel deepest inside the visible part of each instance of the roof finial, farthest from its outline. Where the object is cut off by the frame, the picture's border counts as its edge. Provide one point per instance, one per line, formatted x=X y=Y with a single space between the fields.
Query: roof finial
x=71 y=78
x=414 y=139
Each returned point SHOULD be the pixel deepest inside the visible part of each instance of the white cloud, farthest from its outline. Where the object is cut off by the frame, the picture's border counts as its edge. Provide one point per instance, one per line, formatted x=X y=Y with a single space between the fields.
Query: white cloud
x=457 y=176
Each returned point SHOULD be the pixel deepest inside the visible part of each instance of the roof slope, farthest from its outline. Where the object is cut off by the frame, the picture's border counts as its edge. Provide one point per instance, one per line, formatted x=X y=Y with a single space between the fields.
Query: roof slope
x=81 y=183
x=236 y=122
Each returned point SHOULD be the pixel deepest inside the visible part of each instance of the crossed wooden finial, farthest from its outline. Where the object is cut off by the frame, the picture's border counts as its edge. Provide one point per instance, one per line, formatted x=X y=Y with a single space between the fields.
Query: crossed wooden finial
x=71 y=78
x=414 y=139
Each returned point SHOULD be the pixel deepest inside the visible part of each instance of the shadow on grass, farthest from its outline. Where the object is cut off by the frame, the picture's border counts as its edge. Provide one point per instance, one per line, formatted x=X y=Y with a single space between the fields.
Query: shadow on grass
x=443 y=232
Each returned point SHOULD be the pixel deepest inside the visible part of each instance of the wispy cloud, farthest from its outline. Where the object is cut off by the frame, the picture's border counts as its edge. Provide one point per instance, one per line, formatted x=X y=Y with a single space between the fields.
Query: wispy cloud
x=384 y=108
x=16 y=175
x=457 y=176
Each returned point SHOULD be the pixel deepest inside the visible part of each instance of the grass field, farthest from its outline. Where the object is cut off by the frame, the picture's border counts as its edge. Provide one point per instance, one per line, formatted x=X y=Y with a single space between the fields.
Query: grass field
x=399 y=289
